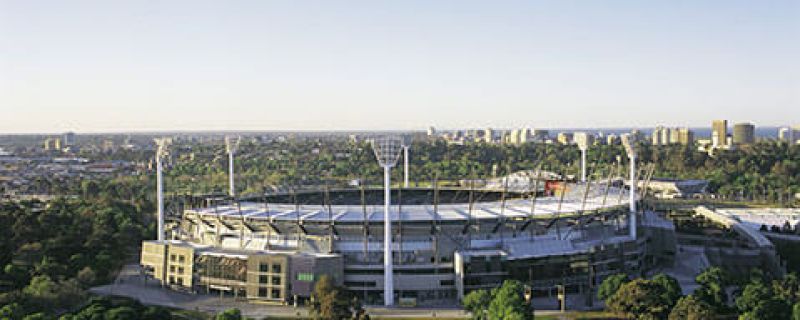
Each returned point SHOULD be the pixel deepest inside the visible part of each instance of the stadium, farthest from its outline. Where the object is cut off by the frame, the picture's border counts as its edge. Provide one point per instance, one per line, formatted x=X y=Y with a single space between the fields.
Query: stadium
x=444 y=245
x=555 y=235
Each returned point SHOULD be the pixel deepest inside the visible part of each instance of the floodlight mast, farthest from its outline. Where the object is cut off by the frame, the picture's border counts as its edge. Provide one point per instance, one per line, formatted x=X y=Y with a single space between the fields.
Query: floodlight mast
x=630 y=149
x=161 y=152
x=231 y=145
x=583 y=145
x=405 y=166
x=387 y=151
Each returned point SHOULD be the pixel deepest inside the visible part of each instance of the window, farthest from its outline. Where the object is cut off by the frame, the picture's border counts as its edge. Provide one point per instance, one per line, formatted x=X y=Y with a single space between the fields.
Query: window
x=263 y=279
x=263 y=267
x=172 y=269
x=447 y=282
x=262 y=292
x=304 y=276
x=172 y=257
x=180 y=270
x=171 y=279
x=181 y=259
x=276 y=294
x=276 y=281
x=180 y=281
x=276 y=268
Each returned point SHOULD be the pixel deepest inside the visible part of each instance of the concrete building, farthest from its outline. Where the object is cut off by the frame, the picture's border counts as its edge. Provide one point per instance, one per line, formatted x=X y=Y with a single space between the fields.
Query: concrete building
x=69 y=139
x=612 y=139
x=719 y=133
x=565 y=138
x=265 y=275
x=787 y=134
x=657 y=136
x=685 y=136
x=744 y=134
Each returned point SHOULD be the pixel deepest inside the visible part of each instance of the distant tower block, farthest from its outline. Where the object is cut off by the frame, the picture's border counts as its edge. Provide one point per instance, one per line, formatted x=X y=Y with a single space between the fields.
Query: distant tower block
x=630 y=148
x=231 y=146
x=387 y=151
x=161 y=153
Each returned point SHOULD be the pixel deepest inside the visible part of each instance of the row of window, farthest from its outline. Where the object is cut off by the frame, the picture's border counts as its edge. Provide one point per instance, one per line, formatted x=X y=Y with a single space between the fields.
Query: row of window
x=179 y=258
x=276 y=280
x=178 y=270
x=265 y=267
x=174 y=280
x=271 y=293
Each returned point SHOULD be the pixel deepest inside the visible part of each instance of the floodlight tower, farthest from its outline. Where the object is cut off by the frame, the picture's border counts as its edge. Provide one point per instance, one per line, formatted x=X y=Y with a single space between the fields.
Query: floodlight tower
x=582 y=139
x=630 y=148
x=161 y=153
x=387 y=151
x=405 y=164
x=231 y=145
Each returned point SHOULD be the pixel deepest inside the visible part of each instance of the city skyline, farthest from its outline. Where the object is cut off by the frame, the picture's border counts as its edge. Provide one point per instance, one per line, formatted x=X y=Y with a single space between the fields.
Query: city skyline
x=203 y=66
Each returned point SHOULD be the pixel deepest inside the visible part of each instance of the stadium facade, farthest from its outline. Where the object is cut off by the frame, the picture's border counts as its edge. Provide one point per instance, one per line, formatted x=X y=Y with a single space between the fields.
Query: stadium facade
x=445 y=242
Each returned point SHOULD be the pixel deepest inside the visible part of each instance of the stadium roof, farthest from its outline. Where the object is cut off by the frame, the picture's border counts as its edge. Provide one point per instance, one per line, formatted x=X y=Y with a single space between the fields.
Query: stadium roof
x=514 y=208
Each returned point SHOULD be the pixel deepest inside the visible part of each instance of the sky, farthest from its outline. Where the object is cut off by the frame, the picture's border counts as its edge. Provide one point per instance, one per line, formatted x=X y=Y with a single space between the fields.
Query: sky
x=116 y=66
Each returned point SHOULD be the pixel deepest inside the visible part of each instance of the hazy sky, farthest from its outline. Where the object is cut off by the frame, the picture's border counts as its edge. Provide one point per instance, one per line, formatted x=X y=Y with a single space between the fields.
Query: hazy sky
x=275 y=65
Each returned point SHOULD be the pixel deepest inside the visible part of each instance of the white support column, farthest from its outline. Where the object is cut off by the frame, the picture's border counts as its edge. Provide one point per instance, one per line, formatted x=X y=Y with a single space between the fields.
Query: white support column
x=232 y=190
x=583 y=165
x=388 y=275
x=405 y=166
x=160 y=198
x=633 y=183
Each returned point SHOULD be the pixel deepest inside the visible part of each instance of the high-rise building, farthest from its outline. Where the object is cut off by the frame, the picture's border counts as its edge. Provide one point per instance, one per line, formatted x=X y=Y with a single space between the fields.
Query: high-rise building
x=488 y=135
x=674 y=135
x=685 y=136
x=744 y=134
x=657 y=136
x=612 y=139
x=431 y=131
x=48 y=144
x=564 y=138
x=719 y=133
x=786 y=134
x=69 y=139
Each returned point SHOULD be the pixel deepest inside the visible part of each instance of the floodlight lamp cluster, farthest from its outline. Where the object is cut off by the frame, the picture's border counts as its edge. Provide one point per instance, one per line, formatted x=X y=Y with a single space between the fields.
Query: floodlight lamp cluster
x=387 y=150
x=629 y=143
x=232 y=143
x=163 y=146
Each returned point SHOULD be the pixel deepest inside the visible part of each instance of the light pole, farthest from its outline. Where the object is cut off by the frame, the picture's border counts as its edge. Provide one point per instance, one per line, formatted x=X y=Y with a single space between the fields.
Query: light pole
x=161 y=152
x=582 y=139
x=630 y=148
x=387 y=151
x=405 y=166
x=231 y=145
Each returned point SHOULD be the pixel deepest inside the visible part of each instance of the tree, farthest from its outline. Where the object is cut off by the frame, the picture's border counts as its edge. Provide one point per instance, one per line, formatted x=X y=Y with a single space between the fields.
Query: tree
x=753 y=294
x=331 y=302
x=11 y=311
x=476 y=302
x=672 y=289
x=508 y=302
x=640 y=299
x=610 y=285
x=230 y=314
x=122 y=313
x=712 y=283
x=787 y=288
x=691 y=308
x=796 y=311
x=770 y=309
